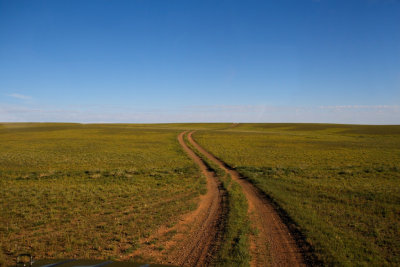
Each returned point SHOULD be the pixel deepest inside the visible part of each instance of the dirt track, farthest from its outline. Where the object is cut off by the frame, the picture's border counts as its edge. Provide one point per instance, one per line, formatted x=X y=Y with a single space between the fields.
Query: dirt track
x=202 y=242
x=195 y=239
x=273 y=245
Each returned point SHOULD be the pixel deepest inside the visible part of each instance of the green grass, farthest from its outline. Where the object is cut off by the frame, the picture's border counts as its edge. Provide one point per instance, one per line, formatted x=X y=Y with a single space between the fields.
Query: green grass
x=235 y=245
x=339 y=183
x=92 y=191
x=235 y=248
x=89 y=191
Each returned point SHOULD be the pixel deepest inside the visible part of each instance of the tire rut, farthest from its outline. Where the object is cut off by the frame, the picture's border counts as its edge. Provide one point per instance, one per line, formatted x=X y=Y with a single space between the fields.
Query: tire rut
x=274 y=244
x=203 y=241
x=198 y=234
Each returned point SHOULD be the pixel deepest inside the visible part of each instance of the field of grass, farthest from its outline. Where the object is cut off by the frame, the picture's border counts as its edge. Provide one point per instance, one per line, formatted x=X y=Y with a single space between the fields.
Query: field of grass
x=339 y=183
x=90 y=191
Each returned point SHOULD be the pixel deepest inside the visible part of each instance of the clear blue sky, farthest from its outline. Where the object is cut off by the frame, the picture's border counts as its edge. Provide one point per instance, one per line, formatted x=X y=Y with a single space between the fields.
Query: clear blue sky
x=164 y=61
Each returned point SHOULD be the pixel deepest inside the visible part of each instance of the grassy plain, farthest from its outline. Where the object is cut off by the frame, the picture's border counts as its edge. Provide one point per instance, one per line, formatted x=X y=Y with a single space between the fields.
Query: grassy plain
x=339 y=183
x=90 y=191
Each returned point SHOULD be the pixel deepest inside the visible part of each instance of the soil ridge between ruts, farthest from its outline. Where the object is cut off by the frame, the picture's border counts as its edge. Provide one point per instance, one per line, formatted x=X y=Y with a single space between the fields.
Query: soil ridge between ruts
x=273 y=244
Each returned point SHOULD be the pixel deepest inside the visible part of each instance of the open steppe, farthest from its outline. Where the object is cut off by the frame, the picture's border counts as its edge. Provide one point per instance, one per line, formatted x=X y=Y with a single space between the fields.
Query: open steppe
x=190 y=194
x=337 y=185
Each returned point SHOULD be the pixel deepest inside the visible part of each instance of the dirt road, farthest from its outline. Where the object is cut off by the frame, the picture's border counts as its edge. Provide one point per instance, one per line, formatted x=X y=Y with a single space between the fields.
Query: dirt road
x=206 y=223
x=273 y=245
x=195 y=239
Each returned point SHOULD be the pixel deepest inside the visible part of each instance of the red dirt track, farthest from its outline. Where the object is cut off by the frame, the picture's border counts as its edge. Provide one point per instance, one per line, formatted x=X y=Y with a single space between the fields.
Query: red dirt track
x=273 y=245
x=203 y=240
x=198 y=234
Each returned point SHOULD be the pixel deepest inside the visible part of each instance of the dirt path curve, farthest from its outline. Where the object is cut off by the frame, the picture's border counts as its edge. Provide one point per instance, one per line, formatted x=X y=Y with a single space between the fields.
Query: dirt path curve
x=196 y=238
x=273 y=245
x=202 y=242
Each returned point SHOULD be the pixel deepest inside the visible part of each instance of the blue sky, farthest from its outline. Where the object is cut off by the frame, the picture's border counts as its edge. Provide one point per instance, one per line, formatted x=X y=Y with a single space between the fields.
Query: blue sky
x=193 y=61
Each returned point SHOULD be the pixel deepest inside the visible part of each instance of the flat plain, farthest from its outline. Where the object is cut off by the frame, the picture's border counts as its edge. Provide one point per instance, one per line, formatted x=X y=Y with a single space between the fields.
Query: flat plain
x=105 y=190
x=90 y=191
x=339 y=184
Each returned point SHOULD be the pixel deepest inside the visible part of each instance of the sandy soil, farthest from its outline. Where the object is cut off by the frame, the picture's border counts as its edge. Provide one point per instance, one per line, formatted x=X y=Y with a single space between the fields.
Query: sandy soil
x=274 y=245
